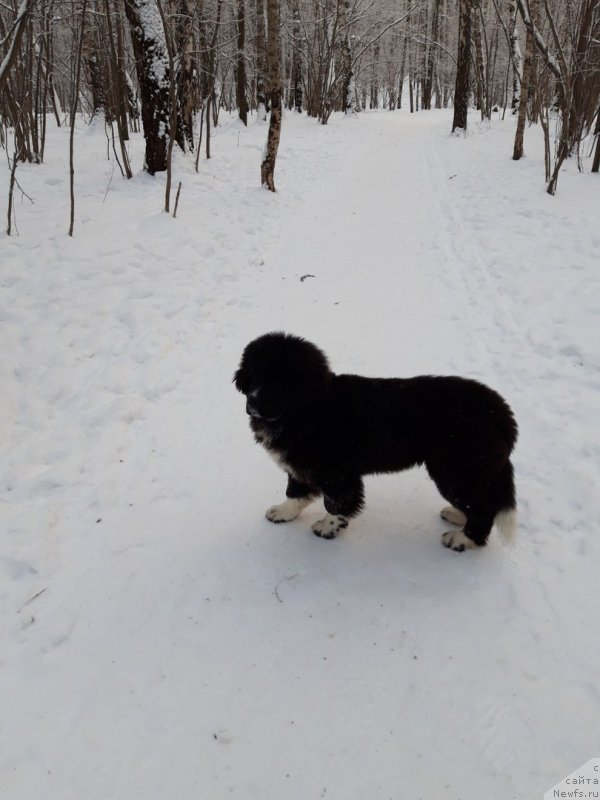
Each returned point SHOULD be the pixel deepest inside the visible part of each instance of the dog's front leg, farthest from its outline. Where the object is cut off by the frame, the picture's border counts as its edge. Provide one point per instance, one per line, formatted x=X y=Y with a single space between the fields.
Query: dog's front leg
x=343 y=499
x=299 y=495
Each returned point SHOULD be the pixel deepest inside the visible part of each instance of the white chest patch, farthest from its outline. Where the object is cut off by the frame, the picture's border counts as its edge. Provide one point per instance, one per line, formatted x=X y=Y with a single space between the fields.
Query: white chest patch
x=265 y=440
x=279 y=461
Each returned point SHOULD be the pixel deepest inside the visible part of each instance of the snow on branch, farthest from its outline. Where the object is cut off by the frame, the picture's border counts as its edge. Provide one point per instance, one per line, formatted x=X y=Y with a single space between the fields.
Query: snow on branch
x=18 y=28
x=541 y=45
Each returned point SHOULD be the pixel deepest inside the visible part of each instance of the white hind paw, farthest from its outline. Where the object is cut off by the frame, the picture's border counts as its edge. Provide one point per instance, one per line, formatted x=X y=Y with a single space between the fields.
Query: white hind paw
x=458 y=540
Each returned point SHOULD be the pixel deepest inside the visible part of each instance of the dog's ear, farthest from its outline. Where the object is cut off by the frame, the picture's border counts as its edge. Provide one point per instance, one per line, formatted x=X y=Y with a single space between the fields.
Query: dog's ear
x=240 y=379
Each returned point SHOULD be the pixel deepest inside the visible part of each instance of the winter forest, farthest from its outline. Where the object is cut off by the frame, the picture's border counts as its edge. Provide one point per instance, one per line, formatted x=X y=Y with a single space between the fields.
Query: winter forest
x=412 y=185
x=171 y=67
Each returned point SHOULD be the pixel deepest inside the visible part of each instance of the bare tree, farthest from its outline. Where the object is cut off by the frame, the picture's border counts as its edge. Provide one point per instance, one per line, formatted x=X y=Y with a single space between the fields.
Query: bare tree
x=576 y=68
x=152 y=66
x=596 y=164
x=74 y=104
x=240 y=67
x=479 y=63
x=183 y=12
x=296 y=77
x=15 y=35
x=260 y=47
x=517 y=57
x=19 y=100
x=430 y=55
x=526 y=81
x=333 y=55
x=267 y=170
x=461 y=92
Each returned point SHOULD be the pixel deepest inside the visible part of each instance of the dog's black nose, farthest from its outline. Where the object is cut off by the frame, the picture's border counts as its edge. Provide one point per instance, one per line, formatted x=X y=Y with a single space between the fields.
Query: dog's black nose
x=250 y=408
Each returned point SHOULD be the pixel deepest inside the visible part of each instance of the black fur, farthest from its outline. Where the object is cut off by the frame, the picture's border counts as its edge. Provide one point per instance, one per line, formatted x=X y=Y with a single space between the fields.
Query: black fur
x=329 y=430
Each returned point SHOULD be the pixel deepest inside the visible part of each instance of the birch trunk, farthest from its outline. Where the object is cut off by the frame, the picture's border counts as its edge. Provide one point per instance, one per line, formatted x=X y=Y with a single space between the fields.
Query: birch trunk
x=267 y=169
x=296 y=63
x=525 y=87
x=18 y=30
x=260 y=47
x=517 y=56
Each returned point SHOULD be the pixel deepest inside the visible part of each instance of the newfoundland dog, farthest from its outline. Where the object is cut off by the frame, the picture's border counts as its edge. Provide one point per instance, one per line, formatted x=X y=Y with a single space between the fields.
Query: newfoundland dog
x=326 y=431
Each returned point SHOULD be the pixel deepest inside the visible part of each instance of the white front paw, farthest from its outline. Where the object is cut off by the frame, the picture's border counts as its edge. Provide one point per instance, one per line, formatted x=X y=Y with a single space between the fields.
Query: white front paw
x=284 y=512
x=453 y=515
x=330 y=526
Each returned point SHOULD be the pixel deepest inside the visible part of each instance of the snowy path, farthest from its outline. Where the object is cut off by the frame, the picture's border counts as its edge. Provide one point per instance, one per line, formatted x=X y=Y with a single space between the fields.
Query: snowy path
x=158 y=636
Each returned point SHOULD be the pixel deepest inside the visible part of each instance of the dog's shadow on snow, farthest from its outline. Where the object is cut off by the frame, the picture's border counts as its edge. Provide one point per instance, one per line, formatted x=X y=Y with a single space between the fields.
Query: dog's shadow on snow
x=386 y=556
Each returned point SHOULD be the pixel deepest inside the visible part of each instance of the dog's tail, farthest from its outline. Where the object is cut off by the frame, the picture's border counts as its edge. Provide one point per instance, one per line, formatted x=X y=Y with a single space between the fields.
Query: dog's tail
x=506 y=522
x=506 y=518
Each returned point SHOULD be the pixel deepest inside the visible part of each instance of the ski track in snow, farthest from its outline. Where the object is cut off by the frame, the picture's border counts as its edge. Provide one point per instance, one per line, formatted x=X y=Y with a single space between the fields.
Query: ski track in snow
x=159 y=636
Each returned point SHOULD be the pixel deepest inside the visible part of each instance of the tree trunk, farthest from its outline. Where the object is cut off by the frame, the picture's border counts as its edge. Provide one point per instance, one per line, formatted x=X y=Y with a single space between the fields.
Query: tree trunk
x=403 y=62
x=96 y=75
x=596 y=164
x=348 y=86
x=74 y=104
x=374 y=96
x=267 y=169
x=128 y=96
x=479 y=58
x=261 y=48
x=583 y=86
x=461 y=91
x=240 y=65
x=430 y=57
x=517 y=56
x=563 y=152
x=296 y=64
x=18 y=29
x=152 y=65
x=117 y=88
x=186 y=70
x=525 y=88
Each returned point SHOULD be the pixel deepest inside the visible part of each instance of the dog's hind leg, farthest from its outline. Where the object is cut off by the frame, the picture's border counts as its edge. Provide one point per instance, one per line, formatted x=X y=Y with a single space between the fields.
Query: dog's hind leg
x=488 y=500
x=478 y=493
x=299 y=495
x=474 y=534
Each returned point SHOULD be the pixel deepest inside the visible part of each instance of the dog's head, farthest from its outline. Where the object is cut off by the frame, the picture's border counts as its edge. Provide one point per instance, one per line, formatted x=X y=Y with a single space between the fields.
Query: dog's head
x=281 y=375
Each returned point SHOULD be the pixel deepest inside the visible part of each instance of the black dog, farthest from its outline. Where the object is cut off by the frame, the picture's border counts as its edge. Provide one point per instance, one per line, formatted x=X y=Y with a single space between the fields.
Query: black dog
x=327 y=431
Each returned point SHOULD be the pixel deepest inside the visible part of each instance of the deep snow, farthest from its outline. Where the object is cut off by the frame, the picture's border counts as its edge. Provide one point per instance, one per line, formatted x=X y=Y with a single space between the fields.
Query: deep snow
x=158 y=636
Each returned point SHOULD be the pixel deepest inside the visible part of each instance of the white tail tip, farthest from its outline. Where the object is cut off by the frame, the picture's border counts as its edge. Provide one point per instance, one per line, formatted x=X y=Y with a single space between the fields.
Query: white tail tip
x=506 y=522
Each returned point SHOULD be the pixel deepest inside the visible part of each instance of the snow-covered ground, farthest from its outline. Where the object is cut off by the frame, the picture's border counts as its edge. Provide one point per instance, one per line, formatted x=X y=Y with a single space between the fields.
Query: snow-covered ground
x=158 y=636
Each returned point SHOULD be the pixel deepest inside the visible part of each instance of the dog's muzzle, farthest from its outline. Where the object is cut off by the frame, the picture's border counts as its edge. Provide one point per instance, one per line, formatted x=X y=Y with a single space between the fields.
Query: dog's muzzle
x=252 y=412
